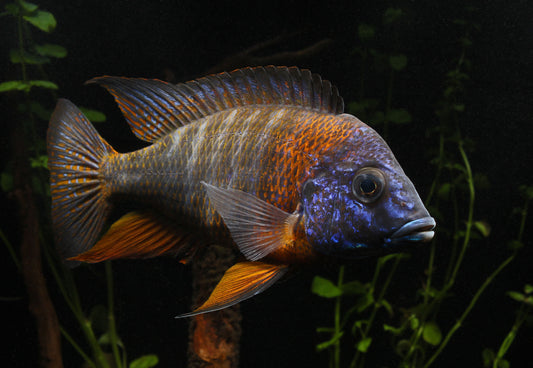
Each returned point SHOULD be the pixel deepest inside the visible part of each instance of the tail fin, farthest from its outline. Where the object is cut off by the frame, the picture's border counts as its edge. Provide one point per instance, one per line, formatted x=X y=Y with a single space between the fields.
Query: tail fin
x=80 y=205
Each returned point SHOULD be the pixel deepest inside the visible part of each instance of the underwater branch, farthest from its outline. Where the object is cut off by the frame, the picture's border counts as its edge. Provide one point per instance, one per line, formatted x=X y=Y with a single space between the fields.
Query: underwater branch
x=39 y=302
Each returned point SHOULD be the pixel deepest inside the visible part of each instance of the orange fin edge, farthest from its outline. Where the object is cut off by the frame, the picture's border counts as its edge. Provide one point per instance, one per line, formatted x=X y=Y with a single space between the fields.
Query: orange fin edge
x=140 y=235
x=240 y=282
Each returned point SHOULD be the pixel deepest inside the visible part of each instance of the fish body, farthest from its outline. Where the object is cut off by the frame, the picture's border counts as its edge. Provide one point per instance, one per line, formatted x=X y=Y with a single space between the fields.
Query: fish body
x=261 y=159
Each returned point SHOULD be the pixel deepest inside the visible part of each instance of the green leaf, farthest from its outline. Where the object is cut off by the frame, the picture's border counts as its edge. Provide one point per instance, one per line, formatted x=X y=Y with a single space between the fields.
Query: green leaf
x=105 y=339
x=399 y=116
x=354 y=288
x=414 y=322
x=99 y=318
x=444 y=190
x=385 y=259
x=146 y=361
x=527 y=191
x=392 y=15
x=502 y=363
x=43 y=20
x=364 y=302
x=398 y=62
x=93 y=115
x=27 y=6
x=39 y=162
x=387 y=306
x=325 y=288
x=394 y=330
x=528 y=289
x=515 y=244
x=28 y=58
x=465 y=41
x=432 y=334
x=483 y=227
x=458 y=107
x=364 y=344
x=51 y=50
x=519 y=297
x=6 y=182
x=403 y=347
x=12 y=9
x=430 y=292
x=488 y=357
x=327 y=344
x=365 y=32
x=14 y=86
x=37 y=109
x=43 y=84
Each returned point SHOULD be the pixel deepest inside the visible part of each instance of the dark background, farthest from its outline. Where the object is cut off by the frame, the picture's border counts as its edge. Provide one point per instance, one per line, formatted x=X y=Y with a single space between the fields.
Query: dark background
x=185 y=39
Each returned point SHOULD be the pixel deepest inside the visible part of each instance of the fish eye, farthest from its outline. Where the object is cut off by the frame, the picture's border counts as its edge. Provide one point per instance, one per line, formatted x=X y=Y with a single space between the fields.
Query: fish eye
x=368 y=184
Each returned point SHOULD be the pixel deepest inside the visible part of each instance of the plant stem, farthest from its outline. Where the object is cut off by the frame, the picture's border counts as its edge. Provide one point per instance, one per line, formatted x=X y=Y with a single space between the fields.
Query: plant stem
x=68 y=289
x=76 y=347
x=469 y=221
x=337 y=322
x=377 y=302
x=440 y=160
x=468 y=309
x=10 y=249
x=113 y=338
x=21 y=48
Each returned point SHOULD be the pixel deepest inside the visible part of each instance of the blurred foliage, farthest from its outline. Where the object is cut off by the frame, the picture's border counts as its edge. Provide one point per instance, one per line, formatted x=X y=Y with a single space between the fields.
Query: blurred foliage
x=99 y=327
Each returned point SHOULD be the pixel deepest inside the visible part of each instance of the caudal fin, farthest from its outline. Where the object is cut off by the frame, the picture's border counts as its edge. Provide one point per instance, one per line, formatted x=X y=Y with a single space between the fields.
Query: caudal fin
x=80 y=205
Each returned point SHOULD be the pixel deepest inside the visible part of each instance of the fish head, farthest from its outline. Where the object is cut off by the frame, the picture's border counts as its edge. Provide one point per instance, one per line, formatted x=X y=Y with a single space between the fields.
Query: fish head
x=364 y=205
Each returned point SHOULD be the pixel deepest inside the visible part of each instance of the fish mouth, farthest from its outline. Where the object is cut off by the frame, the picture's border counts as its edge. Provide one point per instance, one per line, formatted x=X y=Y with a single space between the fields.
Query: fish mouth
x=416 y=231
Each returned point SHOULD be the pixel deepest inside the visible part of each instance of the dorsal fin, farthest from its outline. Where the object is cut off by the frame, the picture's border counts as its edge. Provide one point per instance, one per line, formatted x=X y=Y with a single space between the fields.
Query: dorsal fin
x=154 y=108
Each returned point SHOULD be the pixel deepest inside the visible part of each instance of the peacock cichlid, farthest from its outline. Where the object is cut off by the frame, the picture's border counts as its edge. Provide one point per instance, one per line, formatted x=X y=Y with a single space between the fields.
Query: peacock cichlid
x=261 y=159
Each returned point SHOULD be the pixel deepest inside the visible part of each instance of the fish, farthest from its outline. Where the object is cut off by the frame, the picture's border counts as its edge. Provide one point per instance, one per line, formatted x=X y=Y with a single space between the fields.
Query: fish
x=260 y=159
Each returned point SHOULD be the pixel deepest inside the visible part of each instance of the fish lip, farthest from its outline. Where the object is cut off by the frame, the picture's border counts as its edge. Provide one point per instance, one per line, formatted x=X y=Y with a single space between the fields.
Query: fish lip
x=419 y=230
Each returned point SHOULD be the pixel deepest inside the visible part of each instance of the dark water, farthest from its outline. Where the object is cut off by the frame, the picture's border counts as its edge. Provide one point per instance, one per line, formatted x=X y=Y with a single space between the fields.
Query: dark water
x=185 y=39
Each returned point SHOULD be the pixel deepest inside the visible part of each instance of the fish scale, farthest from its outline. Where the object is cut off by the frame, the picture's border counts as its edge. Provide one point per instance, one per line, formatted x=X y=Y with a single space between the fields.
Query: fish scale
x=259 y=150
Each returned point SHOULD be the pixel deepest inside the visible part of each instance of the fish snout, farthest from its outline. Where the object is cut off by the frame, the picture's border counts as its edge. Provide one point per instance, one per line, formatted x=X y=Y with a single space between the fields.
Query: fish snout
x=415 y=231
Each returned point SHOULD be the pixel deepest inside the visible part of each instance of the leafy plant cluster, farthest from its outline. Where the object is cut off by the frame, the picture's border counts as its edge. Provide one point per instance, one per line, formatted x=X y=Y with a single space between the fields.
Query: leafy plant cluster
x=418 y=335
x=99 y=326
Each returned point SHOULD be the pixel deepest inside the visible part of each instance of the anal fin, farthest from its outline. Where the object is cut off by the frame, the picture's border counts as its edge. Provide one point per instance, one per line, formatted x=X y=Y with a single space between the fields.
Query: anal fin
x=140 y=235
x=240 y=282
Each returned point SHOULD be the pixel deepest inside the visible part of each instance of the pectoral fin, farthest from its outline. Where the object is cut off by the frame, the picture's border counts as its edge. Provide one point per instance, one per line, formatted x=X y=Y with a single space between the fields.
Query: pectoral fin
x=240 y=282
x=257 y=227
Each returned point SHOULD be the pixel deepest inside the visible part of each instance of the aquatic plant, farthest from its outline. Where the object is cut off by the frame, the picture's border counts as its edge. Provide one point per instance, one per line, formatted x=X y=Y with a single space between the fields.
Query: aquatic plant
x=380 y=112
x=28 y=179
x=419 y=336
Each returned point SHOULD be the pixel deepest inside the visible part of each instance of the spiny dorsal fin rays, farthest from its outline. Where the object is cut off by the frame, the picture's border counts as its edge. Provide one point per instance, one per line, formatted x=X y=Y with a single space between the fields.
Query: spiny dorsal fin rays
x=240 y=282
x=257 y=227
x=154 y=108
x=147 y=105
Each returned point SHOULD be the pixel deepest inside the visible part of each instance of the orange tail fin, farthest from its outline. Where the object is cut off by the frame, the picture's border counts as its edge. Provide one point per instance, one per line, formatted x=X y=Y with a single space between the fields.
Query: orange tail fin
x=79 y=202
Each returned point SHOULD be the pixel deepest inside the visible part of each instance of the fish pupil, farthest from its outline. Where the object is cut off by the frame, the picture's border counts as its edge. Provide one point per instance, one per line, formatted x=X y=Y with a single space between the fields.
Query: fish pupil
x=368 y=186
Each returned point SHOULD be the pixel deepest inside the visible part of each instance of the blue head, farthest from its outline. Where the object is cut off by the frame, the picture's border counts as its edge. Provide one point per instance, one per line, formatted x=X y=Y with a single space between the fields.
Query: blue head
x=359 y=202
